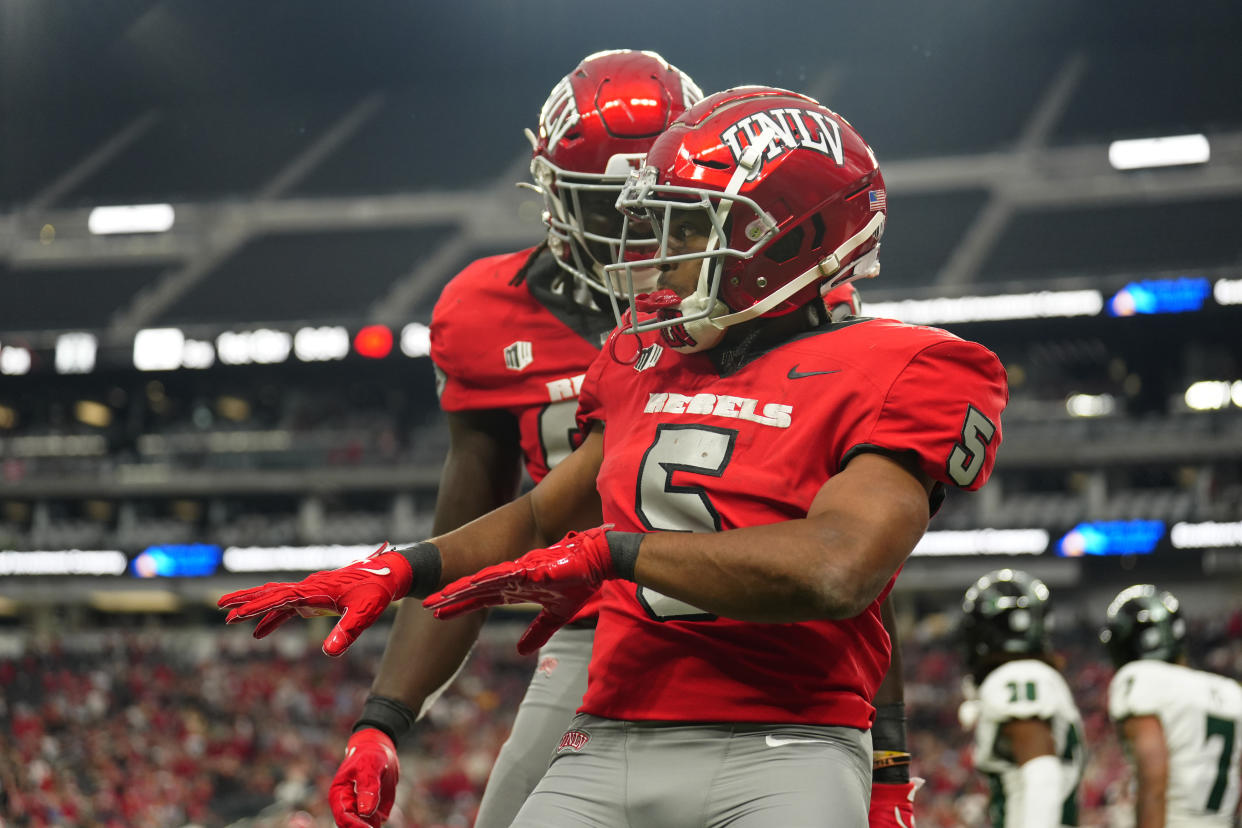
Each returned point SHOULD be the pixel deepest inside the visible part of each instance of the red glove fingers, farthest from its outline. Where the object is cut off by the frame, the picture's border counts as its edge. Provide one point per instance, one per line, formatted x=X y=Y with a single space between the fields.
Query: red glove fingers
x=542 y=628
x=892 y=804
x=365 y=785
x=560 y=578
x=358 y=592
x=271 y=621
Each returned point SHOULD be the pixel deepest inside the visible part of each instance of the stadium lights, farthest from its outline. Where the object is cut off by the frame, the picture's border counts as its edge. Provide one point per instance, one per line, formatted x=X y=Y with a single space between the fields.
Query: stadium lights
x=75 y=353
x=1206 y=535
x=1090 y=405
x=416 y=340
x=323 y=344
x=264 y=346
x=197 y=354
x=1169 y=151
x=14 y=361
x=1213 y=395
x=1227 y=291
x=295 y=558
x=158 y=349
x=66 y=562
x=1045 y=303
x=983 y=542
x=133 y=218
x=167 y=349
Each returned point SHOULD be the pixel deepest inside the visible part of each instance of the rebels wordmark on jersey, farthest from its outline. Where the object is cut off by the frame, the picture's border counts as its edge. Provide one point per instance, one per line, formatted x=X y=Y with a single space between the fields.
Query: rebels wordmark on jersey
x=686 y=449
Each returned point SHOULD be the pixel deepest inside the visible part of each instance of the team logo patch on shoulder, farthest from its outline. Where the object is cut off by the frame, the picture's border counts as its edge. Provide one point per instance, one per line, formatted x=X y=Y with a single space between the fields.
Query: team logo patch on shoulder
x=519 y=355
x=648 y=357
x=574 y=740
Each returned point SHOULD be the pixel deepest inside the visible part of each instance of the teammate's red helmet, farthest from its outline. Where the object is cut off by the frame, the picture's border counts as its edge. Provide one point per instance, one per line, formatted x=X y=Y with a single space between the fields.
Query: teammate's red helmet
x=594 y=130
x=794 y=197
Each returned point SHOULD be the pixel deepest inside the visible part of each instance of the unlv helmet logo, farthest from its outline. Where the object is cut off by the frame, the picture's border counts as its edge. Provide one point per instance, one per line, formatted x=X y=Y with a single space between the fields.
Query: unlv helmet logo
x=559 y=113
x=785 y=128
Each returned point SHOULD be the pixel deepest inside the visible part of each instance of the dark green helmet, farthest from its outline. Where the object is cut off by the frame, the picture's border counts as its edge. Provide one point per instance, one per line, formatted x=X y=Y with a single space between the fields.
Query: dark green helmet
x=1144 y=622
x=1006 y=614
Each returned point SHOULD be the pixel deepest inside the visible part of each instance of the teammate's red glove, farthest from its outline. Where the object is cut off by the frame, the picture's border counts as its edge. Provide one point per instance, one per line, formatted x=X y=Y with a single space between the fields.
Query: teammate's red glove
x=892 y=804
x=358 y=593
x=365 y=784
x=559 y=578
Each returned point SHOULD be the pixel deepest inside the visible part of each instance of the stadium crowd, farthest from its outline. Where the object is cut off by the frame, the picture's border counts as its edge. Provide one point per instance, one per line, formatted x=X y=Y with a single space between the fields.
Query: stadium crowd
x=141 y=728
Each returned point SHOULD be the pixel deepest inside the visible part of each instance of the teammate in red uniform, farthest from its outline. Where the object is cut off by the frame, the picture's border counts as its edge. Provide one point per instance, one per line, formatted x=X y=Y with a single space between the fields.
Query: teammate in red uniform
x=805 y=453
x=512 y=336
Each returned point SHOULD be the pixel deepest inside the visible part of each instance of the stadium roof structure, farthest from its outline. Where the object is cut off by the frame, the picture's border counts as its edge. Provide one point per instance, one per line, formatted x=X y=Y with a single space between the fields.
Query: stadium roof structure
x=391 y=135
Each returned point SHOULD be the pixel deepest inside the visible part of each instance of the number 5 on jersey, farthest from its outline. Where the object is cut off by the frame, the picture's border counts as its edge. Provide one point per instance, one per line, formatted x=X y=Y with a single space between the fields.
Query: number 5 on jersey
x=966 y=460
x=664 y=506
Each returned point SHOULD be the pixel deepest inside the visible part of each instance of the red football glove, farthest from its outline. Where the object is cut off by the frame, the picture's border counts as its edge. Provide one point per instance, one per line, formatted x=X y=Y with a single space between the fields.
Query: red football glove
x=365 y=784
x=560 y=578
x=892 y=804
x=358 y=593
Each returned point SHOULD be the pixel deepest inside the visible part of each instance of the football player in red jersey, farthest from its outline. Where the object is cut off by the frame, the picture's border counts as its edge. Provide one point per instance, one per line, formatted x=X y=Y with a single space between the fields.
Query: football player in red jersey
x=807 y=454
x=509 y=391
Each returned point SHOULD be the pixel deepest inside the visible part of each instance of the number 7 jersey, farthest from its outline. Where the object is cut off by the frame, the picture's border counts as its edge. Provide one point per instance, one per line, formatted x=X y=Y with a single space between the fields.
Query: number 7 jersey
x=1201 y=715
x=687 y=448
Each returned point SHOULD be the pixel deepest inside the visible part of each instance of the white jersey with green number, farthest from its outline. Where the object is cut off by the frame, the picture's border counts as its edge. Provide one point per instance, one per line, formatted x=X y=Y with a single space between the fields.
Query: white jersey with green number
x=1026 y=689
x=1201 y=714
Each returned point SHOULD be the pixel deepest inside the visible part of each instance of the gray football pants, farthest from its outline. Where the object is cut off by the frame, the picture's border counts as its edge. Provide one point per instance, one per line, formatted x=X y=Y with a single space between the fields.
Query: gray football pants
x=613 y=774
x=554 y=694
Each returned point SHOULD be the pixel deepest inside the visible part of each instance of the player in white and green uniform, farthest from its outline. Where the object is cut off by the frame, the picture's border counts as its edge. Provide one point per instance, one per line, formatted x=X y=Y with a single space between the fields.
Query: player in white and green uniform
x=1180 y=726
x=1028 y=732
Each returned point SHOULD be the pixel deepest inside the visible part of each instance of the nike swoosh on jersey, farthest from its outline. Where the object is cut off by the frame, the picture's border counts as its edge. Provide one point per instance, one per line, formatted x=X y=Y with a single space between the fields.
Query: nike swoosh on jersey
x=384 y=571
x=794 y=373
x=779 y=741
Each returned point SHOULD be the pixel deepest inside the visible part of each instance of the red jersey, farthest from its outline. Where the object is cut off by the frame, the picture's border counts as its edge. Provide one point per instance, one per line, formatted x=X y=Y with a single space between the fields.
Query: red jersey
x=686 y=448
x=520 y=348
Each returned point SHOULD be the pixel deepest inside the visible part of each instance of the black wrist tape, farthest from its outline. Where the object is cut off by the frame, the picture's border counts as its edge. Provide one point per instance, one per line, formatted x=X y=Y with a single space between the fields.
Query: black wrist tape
x=424 y=558
x=389 y=716
x=624 y=549
x=890 y=756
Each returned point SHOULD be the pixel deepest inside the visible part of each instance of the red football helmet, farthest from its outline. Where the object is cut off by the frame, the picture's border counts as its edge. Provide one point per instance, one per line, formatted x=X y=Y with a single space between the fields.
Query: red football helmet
x=793 y=197
x=594 y=130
